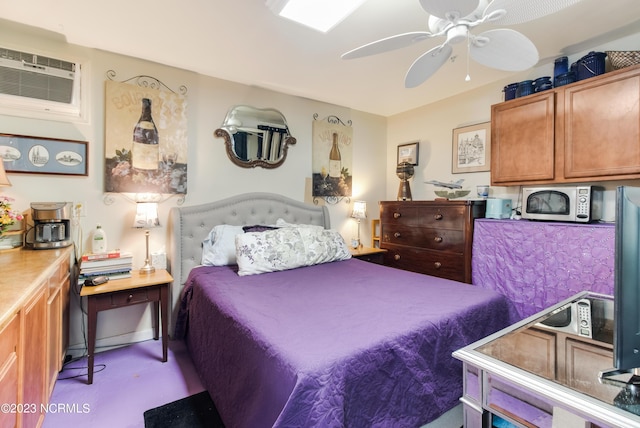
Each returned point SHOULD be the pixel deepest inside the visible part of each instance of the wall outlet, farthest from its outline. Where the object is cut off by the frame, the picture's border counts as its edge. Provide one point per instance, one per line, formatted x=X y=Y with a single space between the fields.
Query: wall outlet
x=79 y=209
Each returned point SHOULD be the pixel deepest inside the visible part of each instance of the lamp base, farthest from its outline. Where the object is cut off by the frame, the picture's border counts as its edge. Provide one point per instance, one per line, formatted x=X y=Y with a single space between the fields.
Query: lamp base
x=147 y=269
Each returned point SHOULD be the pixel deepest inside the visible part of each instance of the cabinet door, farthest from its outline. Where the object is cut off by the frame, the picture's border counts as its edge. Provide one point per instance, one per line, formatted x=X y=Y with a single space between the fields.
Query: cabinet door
x=57 y=322
x=9 y=370
x=54 y=339
x=34 y=347
x=602 y=127
x=523 y=140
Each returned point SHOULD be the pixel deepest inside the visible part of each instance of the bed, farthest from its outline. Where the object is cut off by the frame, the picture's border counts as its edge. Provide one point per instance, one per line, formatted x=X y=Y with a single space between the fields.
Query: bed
x=342 y=343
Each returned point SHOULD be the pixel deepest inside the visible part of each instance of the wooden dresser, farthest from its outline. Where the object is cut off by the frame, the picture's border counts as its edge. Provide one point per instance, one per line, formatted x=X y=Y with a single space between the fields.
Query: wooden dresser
x=430 y=237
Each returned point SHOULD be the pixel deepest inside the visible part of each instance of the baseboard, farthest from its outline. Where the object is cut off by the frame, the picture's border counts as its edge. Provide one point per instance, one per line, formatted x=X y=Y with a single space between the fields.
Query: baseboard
x=78 y=350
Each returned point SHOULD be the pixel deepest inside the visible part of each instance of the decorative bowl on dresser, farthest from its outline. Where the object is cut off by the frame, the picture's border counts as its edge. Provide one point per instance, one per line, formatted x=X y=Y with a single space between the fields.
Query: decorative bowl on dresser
x=430 y=237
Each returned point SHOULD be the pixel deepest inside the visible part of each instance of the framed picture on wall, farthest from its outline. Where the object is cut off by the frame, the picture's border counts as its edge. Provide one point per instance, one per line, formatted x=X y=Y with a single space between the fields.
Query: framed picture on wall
x=408 y=153
x=472 y=148
x=38 y=155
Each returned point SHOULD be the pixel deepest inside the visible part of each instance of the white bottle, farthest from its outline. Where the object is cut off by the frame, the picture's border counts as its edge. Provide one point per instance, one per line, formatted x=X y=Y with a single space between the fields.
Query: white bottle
x=99 y=240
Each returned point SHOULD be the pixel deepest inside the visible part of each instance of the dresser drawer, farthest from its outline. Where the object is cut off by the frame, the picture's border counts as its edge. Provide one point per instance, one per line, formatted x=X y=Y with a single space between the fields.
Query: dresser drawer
x=437 y=216
x=429 y=262
x=435 y=239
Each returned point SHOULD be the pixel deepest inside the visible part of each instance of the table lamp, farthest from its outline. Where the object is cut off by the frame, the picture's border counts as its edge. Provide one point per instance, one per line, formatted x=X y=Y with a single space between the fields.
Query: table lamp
x=359 y=212
x=146 y=218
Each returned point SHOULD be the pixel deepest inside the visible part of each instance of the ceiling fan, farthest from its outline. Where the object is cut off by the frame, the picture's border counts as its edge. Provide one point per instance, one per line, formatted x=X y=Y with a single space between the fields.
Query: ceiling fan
x=503 y=48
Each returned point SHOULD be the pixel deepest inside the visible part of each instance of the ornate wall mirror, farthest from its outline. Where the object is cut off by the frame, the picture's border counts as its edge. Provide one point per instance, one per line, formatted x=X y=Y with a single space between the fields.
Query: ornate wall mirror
x=255 y=137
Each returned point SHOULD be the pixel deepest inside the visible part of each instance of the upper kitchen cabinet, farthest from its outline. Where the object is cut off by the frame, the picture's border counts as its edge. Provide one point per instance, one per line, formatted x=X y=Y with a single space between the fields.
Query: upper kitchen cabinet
x=585 y=131
x=523 y=139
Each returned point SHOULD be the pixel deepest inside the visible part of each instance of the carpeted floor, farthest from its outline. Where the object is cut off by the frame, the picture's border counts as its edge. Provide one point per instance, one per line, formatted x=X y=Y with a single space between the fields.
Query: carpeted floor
x=195 y=411
x=127 y=382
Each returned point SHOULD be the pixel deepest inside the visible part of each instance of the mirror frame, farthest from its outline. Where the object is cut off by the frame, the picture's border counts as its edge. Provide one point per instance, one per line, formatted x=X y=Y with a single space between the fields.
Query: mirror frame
x=224 y=133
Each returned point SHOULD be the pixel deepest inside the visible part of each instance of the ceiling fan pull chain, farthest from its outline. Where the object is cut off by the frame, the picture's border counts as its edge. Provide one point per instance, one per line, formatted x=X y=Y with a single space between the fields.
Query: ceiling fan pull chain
x=468 y=78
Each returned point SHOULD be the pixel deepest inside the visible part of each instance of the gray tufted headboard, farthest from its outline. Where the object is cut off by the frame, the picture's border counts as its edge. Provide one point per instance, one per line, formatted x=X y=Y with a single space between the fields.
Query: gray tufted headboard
x=188 y=226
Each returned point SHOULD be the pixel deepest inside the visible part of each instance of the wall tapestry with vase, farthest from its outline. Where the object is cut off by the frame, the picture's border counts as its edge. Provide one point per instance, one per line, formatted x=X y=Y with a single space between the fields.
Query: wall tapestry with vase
x=145 y=138
x=332 y=159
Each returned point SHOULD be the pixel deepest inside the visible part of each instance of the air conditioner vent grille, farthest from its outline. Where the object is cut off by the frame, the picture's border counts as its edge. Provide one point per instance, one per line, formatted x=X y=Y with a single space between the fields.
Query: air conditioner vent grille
x=35 y=85
x=30 y=58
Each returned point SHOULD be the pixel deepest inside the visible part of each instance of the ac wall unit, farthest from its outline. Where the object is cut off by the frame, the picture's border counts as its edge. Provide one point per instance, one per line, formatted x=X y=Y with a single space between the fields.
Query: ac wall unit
x=37 y=83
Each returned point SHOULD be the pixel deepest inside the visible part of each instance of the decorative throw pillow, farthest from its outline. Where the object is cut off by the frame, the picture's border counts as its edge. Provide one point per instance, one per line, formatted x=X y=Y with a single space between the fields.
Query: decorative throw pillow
x=281 y=223
x=219 y=247
x=288 y=248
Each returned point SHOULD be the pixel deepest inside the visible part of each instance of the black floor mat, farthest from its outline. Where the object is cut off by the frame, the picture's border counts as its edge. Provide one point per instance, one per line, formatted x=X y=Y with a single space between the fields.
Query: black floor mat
x=194 y=411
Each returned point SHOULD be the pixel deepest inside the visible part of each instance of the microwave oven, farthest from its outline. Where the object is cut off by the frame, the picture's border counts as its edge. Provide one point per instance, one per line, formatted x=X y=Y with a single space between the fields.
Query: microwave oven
x=581 y=204
x=584 y=318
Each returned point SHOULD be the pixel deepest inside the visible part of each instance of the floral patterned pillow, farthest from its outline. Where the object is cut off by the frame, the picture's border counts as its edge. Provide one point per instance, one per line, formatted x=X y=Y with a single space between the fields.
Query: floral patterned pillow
x=219 y=247
x=288 y=248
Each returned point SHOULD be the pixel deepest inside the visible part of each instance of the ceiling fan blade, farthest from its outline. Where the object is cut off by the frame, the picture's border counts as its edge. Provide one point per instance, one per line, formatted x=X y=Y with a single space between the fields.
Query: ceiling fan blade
x=519 y=11
x=504 y=49
x=427 y=64
x=387 y=44
x=441 y=8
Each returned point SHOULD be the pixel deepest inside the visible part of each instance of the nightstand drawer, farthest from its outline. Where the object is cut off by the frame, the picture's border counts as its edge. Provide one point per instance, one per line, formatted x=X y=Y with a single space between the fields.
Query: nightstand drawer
x=127 y=297
x=132 y=297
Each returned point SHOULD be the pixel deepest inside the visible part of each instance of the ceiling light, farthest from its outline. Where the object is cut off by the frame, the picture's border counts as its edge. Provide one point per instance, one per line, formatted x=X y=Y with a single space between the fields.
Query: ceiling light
x=321 y=15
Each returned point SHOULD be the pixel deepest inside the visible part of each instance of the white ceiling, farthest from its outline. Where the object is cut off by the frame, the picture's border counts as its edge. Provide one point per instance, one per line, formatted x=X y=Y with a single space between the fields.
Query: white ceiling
x=242 y=41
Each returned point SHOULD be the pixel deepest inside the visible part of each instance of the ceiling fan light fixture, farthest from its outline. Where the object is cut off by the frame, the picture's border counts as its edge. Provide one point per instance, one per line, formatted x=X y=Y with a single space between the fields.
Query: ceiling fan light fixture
x=321 y=15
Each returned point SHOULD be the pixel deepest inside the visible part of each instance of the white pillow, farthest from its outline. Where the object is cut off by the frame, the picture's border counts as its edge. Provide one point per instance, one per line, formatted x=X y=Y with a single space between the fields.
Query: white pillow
x=219 y=247
x=288 y=248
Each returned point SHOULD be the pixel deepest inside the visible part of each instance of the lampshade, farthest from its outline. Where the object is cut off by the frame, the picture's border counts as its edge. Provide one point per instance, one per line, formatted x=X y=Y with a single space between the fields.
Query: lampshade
x=359 y=210
x=4 y=180
x=321 y=15
x=146 y=215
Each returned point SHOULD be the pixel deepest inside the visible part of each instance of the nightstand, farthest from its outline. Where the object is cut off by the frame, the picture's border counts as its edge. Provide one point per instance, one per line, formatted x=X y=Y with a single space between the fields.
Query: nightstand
x=117 y=293
x=368 y=254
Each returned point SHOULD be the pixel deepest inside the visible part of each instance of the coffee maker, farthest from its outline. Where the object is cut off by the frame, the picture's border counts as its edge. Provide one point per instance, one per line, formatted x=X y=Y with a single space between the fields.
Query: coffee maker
x=51 y=225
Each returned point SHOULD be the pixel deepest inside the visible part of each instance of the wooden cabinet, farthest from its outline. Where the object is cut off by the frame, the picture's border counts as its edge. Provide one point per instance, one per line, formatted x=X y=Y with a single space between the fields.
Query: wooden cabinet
x=430 y=237
x=585 y=131
x=9 y=369
x=34 y=305
x=57 y=322
x=523 y=139
x=33 y=350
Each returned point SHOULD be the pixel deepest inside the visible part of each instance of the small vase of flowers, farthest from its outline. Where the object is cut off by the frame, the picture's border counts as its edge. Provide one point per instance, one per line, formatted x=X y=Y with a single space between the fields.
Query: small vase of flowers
x=8 y=217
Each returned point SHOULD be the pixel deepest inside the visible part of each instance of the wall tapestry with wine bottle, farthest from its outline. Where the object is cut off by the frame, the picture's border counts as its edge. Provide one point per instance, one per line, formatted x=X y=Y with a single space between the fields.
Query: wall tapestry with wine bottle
x=332 y=158
x=145 y=139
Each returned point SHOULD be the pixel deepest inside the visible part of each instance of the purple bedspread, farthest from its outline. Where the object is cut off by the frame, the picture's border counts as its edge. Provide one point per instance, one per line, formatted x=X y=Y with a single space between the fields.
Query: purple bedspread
x=343 y=344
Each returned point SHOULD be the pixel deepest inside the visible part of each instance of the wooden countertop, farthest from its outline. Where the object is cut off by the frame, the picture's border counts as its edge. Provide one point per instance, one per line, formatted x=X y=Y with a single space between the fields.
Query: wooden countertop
x=21 y=272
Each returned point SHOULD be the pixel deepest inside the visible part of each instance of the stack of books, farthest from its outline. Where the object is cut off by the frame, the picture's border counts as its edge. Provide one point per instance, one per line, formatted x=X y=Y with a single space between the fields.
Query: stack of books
x=114 y=264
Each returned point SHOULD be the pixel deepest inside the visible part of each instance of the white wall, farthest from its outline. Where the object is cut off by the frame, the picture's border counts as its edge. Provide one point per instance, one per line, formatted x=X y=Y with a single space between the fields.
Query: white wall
x=211 y=175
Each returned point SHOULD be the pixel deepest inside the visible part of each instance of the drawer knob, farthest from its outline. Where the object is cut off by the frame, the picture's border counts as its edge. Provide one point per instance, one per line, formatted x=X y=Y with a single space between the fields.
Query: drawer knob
x=130 y=296
x=396 y=215
x=396 y=257
x=437 y=265
x=438 y=216
x=438 y=239
x=396 y=235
